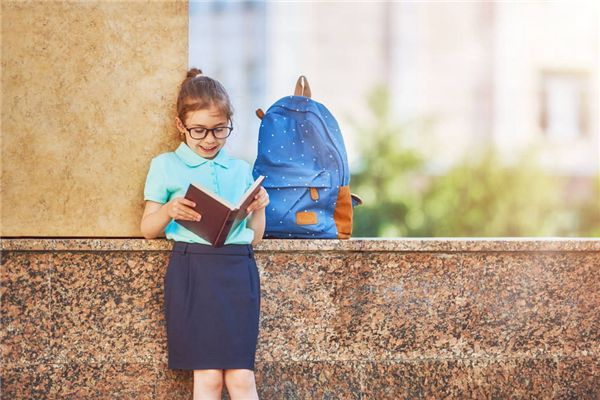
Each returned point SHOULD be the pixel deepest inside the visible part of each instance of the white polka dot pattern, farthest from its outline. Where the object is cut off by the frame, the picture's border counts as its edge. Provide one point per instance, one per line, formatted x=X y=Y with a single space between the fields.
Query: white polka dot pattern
x=301 y=149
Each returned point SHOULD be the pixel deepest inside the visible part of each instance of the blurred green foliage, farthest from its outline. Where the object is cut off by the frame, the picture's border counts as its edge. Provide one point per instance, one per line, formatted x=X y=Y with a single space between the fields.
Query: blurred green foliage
x=588 y=213
x=479 y=196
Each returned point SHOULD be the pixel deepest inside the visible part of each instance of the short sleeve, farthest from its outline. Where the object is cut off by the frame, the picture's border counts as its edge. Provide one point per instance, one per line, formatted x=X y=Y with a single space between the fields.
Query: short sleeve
x=155 y=188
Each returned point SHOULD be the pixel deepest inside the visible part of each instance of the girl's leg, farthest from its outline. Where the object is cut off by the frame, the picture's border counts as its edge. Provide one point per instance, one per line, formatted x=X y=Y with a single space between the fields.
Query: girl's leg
x=208 y=384
x=240 y=384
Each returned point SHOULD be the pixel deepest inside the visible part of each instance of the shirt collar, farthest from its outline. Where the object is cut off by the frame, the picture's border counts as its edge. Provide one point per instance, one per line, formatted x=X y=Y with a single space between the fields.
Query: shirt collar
x=192 y=159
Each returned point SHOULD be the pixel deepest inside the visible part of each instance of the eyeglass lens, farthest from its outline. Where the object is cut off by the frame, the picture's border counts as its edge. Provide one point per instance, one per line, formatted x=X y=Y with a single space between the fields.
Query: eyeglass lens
x=220 y=132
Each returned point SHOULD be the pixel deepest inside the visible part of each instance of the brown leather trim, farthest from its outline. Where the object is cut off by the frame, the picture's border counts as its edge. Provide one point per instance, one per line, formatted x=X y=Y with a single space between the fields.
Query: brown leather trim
x=314 y=194
x=302 y=87
x=306 y=218
x=343 y=213
x=356 y=198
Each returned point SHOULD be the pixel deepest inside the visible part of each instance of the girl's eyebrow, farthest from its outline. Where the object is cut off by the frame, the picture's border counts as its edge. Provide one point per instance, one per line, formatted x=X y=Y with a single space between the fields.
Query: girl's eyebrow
x=203 y=126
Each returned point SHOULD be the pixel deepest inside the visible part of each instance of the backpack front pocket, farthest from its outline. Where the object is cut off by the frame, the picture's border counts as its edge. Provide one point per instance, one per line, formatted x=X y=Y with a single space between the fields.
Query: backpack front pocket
x=299 y=201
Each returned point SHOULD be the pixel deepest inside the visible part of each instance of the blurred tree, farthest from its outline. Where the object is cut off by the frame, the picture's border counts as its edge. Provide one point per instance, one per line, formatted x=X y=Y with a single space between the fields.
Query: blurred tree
x=385 y=173
x=588 y=213
x=482 y=197
x=479 y=196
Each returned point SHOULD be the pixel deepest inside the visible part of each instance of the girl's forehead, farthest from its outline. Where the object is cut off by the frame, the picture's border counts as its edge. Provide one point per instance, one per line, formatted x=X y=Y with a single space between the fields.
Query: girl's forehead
x=206 y=116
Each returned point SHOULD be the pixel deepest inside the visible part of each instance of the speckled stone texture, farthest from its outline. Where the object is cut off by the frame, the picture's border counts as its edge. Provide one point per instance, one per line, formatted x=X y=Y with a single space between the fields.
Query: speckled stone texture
x=357 y=319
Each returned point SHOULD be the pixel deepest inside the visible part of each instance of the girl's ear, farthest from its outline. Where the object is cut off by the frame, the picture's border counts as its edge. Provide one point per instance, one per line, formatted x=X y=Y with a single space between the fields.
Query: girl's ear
x=179 y=124
x=181 y=129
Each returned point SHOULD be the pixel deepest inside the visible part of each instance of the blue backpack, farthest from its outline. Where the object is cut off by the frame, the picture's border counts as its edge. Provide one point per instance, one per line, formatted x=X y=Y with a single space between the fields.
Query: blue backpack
x=302 y=155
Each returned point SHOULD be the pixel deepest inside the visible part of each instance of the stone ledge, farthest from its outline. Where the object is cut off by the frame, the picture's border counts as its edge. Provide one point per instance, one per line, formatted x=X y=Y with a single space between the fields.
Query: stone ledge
x=445 y=245
x=363 y=318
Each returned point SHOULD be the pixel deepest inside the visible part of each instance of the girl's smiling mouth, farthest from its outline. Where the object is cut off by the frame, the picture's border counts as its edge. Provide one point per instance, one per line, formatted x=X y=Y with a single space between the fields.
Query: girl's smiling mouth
x=208 y=151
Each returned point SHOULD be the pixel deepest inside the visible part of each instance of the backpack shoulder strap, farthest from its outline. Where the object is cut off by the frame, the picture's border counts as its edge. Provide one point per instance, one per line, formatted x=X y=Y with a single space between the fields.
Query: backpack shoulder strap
x=302 y=89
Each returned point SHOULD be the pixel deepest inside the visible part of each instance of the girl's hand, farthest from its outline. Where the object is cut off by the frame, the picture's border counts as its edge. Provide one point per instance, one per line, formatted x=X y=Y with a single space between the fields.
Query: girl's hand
x=261 y=200
x=181 y=208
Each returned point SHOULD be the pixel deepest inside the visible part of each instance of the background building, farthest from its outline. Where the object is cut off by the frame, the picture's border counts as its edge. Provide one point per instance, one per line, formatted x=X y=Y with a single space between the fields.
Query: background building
x=513 y=74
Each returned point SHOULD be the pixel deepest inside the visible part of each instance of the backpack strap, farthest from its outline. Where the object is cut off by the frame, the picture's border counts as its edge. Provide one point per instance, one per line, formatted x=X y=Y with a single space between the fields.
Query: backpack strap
x=356 y=200
x=302 y=87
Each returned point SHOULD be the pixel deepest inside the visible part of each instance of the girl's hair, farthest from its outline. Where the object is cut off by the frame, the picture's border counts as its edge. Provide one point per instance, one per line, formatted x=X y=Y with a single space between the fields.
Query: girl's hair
x=199 y=92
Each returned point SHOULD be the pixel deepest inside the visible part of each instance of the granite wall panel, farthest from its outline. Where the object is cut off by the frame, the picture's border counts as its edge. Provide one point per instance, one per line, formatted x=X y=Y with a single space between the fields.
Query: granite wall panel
x=85 y=320
x=26 y=308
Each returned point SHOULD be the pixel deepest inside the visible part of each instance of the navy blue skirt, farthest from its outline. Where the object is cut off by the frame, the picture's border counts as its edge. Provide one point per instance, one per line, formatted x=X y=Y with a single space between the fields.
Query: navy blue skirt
x=212 y=306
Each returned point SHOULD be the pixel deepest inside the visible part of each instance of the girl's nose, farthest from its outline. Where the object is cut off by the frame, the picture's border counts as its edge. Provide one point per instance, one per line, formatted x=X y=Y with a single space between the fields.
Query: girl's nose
x=210 y=136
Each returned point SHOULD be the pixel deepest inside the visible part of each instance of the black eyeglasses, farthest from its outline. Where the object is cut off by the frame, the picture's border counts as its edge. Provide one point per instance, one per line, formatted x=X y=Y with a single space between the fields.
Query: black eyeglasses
x=219 y=132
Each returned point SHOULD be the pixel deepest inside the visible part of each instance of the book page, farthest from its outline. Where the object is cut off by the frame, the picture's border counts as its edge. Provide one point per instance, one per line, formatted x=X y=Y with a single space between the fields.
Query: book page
x=214 y=195
x=251 y=189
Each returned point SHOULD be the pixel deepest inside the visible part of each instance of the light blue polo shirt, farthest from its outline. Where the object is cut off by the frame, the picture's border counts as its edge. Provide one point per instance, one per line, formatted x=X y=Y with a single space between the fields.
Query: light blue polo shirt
x=171 y=173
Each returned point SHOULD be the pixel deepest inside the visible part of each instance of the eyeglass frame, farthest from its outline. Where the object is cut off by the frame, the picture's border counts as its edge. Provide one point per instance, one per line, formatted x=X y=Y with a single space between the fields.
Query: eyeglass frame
x=211 y=130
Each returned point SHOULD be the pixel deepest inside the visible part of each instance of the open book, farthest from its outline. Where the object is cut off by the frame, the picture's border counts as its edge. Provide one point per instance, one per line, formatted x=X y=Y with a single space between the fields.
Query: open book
x=219 y=216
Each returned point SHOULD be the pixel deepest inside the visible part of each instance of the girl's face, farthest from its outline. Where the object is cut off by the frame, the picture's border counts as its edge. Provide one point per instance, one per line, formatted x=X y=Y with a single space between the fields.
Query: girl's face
x=209 y=146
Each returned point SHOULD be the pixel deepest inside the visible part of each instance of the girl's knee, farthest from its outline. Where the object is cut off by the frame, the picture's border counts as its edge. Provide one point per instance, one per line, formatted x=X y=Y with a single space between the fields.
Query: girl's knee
x=209 y=378
x=239 y=377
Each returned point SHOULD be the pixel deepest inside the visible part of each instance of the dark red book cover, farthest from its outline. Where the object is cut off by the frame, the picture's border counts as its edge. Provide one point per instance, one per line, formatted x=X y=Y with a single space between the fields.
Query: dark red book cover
x=219 y=216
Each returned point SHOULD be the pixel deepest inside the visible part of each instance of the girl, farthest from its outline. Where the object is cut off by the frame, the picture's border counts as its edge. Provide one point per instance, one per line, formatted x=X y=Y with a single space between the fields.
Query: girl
x=212 y=295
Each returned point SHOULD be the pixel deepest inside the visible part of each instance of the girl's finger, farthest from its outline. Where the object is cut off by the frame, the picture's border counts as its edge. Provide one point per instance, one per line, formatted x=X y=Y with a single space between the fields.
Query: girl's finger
x=188 y=203
x=190 y=212
x=192 y=215
x=186 y=213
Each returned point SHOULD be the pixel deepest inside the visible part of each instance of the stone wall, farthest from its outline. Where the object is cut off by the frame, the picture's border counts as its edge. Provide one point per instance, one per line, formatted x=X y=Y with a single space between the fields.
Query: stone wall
x=357 y=319
x=88 y=98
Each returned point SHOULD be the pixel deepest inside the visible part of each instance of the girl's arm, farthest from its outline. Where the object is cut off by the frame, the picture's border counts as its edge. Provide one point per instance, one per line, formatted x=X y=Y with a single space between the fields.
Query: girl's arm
x=154 y=220
x=157 y=216
x=256 y=222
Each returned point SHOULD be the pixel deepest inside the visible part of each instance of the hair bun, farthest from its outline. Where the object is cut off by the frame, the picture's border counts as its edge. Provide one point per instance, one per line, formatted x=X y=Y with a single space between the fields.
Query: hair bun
x=192 y=73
